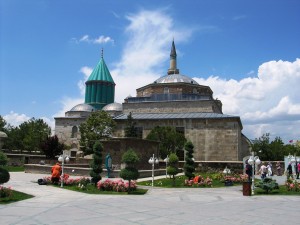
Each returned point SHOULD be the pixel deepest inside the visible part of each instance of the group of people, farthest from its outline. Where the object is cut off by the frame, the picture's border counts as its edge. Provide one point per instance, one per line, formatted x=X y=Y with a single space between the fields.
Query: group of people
x=289 y=170
x=266 y=170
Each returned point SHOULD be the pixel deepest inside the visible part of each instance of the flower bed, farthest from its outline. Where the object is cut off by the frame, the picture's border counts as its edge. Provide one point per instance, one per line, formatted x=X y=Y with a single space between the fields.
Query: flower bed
x=292 y=185
x=116 y=185
x=5 y=192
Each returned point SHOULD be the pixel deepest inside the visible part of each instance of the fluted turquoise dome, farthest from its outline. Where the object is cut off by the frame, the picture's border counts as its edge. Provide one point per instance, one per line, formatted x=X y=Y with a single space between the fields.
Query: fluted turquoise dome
x=100 y=87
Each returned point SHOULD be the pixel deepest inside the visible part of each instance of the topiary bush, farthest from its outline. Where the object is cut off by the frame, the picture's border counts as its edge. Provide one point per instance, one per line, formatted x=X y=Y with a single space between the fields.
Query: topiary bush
x=4 y=176
x=189 y=166
x=96 y=164
x=172 y=169
x=130 y=172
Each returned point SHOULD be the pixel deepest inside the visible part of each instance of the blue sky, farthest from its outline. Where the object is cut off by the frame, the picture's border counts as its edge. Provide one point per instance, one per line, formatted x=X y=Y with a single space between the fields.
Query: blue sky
x=246 y=51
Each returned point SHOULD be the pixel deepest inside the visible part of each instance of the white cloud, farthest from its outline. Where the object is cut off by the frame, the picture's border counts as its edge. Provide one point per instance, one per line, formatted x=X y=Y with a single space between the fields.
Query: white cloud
x=81 y=84
x=67 y=104
x=99 y=40
x=267 y=103
x=15 y=119
x=150 y=34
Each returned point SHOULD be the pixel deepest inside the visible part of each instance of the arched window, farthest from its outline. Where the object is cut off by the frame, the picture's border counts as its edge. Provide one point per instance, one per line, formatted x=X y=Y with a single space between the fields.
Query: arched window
x=74 y=132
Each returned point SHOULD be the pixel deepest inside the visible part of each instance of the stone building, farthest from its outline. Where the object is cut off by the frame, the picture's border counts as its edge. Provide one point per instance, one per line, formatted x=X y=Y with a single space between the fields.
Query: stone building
x=172 y=100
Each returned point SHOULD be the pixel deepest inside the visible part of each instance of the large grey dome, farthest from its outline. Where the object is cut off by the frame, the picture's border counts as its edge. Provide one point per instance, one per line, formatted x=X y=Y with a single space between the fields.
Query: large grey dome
x=175 y=78
x=83 y=107
x=113 y=107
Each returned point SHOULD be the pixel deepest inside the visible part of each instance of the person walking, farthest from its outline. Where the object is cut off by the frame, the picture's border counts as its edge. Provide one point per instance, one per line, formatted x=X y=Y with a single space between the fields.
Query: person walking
x=269 y=169
x=289 y=170
x=278 y=168
x=263 y=171
x=298 y=167
x=248 y=169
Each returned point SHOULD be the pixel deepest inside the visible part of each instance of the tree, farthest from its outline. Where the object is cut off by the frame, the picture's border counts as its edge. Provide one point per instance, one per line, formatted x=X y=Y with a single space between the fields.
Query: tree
x=170 y=140
x=96 y=164
x=99 y=125
x=189 y=167
x=130 y=172
x=51 y=147
x=172 y=169
x=273 y=150
x=130 y=129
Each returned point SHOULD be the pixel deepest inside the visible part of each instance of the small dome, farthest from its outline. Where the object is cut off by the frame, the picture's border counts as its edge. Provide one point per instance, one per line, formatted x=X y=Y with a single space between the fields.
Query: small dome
x=3 y=135
x=175 y=78
x=83 y=107
x=113 y=107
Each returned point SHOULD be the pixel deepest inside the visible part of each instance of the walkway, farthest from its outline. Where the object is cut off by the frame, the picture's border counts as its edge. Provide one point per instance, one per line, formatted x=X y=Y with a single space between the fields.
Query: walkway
x=214 y=206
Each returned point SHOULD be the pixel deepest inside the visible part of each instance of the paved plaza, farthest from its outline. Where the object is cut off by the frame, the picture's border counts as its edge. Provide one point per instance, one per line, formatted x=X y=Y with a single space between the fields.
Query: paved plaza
x=53 y=205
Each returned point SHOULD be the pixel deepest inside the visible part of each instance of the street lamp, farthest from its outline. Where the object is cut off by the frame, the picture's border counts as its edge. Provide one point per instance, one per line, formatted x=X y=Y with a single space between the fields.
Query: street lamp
x=153 y=161
x=166 y=160
x=253 y=161
x=62 y=158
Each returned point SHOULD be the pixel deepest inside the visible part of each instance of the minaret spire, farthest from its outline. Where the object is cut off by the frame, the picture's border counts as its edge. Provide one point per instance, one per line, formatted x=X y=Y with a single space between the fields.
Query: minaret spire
x=173 y=60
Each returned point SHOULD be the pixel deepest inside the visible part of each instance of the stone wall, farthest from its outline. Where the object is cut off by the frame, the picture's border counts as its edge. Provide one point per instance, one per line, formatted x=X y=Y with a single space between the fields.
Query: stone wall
x=213 y=139
x=173 y=107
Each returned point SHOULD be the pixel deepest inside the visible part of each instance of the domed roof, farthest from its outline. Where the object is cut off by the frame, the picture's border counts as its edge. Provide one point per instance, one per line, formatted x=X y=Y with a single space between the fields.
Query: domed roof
x=175 y=78
x=83 y=107
x=3 y=135
x=113 y=107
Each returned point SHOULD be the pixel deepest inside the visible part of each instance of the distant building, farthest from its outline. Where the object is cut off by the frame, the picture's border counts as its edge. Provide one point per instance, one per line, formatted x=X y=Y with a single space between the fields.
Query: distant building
x=172 y=100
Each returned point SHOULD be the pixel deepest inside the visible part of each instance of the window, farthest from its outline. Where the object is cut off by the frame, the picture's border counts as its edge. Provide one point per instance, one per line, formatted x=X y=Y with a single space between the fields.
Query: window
x=166 y=90
x=74 y=132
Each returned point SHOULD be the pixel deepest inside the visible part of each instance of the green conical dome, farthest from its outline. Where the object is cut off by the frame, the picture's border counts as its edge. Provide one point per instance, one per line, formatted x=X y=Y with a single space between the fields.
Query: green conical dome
x=101 y=73
x=100 y=87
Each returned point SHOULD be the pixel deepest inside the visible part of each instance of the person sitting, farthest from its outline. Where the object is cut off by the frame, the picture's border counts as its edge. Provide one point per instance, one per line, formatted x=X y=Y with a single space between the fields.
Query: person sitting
x=55 y=173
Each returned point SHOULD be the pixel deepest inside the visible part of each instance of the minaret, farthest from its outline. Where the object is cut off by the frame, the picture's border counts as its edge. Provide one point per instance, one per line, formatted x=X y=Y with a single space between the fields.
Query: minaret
x=173 y=61
x=100 y=86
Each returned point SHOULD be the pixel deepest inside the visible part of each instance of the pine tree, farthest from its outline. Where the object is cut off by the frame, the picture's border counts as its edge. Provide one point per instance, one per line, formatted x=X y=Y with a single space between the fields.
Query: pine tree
x=189 y=166
x=130 y=129
x=96 y=164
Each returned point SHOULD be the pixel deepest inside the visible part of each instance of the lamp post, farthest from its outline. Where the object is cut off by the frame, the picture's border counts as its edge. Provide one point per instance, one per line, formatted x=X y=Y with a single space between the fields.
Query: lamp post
x=62 y=158
x=153 y=161
x=253 y=161
x=166 y=160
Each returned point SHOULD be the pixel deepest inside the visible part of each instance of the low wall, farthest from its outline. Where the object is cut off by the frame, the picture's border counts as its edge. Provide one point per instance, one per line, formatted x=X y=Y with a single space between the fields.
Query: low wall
x=79 y=171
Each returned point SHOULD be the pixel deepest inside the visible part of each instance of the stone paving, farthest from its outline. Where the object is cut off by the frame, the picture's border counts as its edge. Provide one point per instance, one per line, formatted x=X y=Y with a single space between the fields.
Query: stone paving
x=53 y=205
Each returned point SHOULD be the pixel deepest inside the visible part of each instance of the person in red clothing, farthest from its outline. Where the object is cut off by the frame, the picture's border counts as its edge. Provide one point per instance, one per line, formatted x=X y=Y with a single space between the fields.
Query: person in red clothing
x=55 y=173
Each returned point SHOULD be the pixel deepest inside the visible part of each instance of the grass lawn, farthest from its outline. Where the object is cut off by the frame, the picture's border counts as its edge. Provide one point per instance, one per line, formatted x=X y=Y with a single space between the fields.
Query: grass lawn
x=180 y=180
x=16 y=196
x=91 y=189
x=281 y=191
x=14 y=168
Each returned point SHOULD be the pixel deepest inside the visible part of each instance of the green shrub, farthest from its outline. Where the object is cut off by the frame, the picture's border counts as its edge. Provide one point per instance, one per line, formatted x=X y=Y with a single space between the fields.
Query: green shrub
x=3 y=159
x=4 y=176
x=267 y=184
